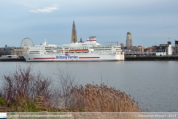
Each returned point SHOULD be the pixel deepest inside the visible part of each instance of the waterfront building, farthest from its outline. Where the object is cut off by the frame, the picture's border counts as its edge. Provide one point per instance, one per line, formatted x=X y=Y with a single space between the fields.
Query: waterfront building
x=133 y=48
x=164 y=49
x=148 y=49
x=173 y=50
x=176 y=47
x=128 y=40
x=74 y=34
x=19 y=51
x=140 y=49
x=154 y=48
x=122 y=45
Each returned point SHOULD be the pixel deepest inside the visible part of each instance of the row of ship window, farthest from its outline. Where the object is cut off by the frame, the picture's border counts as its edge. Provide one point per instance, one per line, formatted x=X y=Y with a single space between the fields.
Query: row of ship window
x=74 y=48
x=57 y=52
x=62 y=50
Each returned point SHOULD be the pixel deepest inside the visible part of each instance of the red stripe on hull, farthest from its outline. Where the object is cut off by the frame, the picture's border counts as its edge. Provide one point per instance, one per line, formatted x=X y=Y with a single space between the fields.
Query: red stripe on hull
x=44 y=58
x=89 y=57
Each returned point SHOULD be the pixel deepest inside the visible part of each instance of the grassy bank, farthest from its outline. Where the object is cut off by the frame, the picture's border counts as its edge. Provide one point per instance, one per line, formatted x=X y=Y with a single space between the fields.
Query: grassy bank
x=26 y=91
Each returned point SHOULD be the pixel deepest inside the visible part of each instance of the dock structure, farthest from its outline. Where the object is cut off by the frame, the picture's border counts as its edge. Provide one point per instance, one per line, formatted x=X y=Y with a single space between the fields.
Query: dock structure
x=155 y=58
x=137 y=53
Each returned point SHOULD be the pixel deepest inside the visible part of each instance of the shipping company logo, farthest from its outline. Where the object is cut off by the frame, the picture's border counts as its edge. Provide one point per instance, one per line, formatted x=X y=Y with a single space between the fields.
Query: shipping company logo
x=3 y=115
x=67 y=57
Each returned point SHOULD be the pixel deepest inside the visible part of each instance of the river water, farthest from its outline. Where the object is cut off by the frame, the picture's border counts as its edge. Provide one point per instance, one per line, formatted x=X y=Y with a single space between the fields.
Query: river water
x=152 y=83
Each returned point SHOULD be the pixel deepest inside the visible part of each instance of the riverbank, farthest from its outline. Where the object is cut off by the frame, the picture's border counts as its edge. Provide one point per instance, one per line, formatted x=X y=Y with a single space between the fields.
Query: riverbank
x=12 y=60
x=163 y=58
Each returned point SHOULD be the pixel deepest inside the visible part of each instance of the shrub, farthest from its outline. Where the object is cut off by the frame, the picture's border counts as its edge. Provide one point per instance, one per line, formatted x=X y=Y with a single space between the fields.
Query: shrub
x=97 y=98
x=21 y=88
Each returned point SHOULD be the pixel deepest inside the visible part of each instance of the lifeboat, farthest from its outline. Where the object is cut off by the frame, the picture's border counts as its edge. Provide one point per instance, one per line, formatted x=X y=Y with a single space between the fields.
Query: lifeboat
x=78 y=50
x=85 y=50
x=72 y=51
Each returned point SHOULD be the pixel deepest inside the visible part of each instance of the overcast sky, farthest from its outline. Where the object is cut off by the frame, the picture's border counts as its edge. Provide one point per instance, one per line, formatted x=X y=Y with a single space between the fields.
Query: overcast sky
x=149 y=21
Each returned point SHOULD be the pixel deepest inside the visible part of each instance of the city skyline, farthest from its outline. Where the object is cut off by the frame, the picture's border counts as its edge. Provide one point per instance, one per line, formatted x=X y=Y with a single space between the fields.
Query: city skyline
x=149 y=21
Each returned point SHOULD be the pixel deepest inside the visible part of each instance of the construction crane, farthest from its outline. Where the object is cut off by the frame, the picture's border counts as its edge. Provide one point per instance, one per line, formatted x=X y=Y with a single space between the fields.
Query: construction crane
x=112 y=42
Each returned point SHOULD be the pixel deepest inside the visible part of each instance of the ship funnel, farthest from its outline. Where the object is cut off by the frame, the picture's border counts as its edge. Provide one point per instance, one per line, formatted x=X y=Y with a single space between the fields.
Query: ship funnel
x=91 y=39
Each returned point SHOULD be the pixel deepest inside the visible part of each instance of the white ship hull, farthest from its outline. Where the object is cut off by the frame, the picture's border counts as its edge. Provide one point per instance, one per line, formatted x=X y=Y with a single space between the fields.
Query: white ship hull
x=73 y=58
x=74 y=52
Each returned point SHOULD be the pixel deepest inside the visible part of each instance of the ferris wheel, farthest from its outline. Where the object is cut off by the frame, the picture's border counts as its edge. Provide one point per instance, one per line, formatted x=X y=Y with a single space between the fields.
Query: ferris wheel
x=27 y=41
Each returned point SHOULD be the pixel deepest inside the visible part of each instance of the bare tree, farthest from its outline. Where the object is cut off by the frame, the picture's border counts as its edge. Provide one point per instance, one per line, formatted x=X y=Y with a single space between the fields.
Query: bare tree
x=66 y=82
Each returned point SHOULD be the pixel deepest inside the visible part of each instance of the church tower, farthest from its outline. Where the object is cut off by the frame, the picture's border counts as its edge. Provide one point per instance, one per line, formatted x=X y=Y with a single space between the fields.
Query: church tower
x=74 y=34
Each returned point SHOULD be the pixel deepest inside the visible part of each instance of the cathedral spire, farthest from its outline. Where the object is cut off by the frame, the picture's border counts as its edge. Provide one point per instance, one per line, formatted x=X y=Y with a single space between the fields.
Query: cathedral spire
x=73 y=24
x=74 y=34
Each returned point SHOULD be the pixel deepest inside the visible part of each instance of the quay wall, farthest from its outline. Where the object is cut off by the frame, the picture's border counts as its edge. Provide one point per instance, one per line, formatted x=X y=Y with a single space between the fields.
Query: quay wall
x=12 y=60
x=165 y=58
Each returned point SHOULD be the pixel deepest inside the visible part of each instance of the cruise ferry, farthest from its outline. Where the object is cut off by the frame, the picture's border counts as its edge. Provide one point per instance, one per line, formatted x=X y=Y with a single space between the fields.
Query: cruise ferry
x=74 y=52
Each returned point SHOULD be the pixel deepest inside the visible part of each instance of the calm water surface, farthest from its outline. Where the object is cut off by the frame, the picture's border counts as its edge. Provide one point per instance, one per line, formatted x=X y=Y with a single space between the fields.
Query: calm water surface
x=152 y=83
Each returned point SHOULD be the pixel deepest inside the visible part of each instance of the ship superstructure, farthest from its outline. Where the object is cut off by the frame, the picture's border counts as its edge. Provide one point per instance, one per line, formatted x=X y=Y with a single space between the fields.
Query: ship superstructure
x=83 y=51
